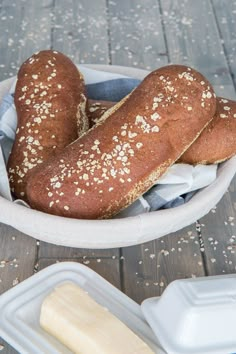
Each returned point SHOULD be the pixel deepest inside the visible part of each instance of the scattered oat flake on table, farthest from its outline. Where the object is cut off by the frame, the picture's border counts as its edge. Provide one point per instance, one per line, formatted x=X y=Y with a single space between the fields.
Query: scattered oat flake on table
x=86 y=262
x=2 y=264
x=15 y=281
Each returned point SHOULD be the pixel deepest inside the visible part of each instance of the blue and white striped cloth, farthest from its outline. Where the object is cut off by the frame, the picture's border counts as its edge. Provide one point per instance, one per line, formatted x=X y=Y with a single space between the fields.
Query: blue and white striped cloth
x=175 y=188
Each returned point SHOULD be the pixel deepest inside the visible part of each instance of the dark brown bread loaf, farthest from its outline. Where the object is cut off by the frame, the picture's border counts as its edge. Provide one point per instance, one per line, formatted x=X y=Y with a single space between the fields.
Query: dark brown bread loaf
x=96 y=109
x=217 y=142
x=128 y=150
x=51 y=108
x=220 y=133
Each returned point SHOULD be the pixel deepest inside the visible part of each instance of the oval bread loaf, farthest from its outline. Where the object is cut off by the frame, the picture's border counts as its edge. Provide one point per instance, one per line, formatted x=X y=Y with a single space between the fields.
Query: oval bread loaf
x=219 y=133
x=123 y=155
x=51 y=108
x=217 y=142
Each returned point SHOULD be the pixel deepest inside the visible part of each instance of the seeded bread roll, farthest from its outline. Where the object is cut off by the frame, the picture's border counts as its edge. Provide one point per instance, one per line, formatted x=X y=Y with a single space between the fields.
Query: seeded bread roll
x=51 y=108
x=96 y=109
x=123 y=155
x=217 y=142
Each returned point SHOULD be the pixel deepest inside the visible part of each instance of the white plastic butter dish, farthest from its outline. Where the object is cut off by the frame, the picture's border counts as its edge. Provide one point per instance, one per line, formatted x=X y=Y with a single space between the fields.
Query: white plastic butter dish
x=195 y=316
x=20 y=308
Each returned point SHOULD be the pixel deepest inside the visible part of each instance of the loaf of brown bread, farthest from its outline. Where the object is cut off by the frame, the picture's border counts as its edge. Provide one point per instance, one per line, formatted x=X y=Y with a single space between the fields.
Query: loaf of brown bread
x=51 y=109
x=124 y=154
x=96 y=109
x=217 y=142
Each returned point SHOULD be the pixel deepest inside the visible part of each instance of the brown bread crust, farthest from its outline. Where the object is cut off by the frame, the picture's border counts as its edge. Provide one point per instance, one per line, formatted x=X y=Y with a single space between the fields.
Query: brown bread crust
x=217 y=142
x=51 y=108
x=128 y=150
x=96 y=109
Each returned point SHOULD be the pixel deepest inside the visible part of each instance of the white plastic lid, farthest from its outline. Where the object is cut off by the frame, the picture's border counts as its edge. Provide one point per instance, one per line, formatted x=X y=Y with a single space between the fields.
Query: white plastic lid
x=195 y=316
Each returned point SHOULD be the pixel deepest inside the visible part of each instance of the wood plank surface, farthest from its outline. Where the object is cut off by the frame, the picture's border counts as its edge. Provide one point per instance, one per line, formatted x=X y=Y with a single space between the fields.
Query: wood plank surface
x=106 y=267
x=25 y=28
x=18 y=254
x=136 y=36
x=193 y=39
x=5 y=348
x=80 y=30
x=149 y=268
x=225 y=12
x=107 y=260
x=48 y=250
x=218 y=232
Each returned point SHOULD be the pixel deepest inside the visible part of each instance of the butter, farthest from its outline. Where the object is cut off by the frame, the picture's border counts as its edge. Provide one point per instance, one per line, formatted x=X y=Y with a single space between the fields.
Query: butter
x=85 y=327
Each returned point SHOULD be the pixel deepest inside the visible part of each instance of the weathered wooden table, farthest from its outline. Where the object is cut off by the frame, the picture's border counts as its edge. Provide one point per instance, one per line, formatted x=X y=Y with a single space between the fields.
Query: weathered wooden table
x=145 y=34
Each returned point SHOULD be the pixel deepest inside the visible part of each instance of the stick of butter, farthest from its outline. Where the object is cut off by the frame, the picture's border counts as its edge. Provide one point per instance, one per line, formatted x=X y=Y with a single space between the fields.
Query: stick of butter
x=84 y=326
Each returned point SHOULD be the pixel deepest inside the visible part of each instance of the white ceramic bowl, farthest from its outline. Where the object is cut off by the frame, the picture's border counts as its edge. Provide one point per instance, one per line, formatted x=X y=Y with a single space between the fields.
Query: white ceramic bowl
x=115 y=232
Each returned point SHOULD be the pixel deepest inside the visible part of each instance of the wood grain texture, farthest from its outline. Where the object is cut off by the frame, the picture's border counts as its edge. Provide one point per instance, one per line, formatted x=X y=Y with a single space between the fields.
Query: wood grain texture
x=136 y=36
x=47 y=250
x=25 y=28
x=5 y=348
x=107 y=268
x=80 y=30
x=218 y=233
x=149 y=268
x=193 y=39
x=225 y=13
x=18 y=254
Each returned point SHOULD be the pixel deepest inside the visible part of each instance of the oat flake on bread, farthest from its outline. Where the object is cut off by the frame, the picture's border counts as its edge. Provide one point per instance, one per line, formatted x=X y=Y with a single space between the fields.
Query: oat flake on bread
x=133 y=144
